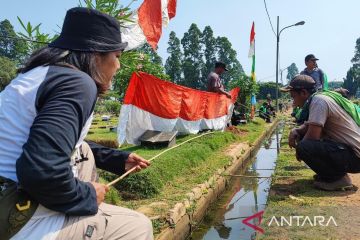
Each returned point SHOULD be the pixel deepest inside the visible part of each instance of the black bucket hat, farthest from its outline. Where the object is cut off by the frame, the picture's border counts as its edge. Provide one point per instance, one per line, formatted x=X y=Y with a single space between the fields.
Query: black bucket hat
x=89 y=30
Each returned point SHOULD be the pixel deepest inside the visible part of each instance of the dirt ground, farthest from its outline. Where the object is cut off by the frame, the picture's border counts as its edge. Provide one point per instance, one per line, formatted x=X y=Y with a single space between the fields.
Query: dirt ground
x=295 y=195
x=287 y=187
x=237 y=131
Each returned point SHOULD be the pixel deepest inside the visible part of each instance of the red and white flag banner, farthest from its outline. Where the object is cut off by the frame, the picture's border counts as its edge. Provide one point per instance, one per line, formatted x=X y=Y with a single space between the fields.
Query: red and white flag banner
x=147 y=22
x=154 y=104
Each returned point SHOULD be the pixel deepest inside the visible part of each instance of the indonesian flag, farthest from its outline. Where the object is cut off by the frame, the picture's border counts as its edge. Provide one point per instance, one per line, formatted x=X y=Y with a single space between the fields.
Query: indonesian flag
x=154 y=104
x=147 y=22
x=253 y=76
x=252 y=50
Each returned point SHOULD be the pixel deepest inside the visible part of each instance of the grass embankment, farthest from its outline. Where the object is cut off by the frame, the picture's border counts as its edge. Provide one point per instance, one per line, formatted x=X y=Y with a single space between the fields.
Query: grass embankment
x=100 y=132
x=190 y=164
x=296 y=196
x=176 y=172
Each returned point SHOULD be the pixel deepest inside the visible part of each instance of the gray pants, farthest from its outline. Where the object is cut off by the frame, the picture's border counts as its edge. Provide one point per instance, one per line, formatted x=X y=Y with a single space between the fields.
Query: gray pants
x=111 y=222
x=330 y=160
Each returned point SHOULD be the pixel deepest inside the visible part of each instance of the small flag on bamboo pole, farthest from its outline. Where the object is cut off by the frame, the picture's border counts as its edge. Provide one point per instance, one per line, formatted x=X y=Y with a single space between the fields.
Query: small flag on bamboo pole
x=253 y=76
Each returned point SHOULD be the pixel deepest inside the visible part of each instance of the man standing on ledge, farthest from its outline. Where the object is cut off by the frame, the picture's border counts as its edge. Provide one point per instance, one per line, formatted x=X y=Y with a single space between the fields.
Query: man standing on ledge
x=313 y=71
x=329 y=140
x=214 y=82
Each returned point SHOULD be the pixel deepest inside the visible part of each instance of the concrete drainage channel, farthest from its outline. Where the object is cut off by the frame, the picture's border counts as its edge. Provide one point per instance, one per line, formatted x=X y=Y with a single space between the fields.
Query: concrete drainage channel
x=186 y=216
x=244 y=198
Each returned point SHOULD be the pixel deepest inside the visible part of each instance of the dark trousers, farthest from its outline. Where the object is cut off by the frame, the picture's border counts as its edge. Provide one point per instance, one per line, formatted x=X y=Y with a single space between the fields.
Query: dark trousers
x=264 y=116
x=330 y=160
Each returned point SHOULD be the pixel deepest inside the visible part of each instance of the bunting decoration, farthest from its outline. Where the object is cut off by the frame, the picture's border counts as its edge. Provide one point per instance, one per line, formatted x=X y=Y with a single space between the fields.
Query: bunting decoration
x=146 y=23
x=154 y=104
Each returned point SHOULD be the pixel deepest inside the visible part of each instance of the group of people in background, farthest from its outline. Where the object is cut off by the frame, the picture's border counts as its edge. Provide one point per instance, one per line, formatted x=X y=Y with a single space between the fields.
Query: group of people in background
x=327 y=136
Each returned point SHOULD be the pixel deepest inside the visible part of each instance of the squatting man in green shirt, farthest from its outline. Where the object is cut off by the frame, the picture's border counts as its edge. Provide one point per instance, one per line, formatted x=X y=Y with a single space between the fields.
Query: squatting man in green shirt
x=329 y=139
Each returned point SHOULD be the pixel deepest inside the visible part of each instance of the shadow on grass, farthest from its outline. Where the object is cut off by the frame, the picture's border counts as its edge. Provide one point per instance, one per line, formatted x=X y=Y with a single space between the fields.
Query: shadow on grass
x=255 y=122
x=304 y=187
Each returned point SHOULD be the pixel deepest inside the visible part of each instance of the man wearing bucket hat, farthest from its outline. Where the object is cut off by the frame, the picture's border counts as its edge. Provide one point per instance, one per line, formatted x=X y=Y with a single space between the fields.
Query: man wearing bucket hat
x=313 y=71
x=329 y=140
x=48 y=180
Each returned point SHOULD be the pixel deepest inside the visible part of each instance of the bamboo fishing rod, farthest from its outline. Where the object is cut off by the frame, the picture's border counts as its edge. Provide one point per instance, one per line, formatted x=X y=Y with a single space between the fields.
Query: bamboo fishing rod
x=161 y=153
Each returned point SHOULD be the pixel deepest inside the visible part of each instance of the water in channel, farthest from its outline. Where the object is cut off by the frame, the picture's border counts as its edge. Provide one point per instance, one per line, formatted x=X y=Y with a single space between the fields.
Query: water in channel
x=244 y=197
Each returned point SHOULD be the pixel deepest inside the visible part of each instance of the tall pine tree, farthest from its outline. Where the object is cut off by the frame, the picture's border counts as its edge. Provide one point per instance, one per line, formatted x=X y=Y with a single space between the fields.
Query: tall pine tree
x=154 y=57
x=352 y=80
x=11 y=46
x=356 y=59
x=292 y=71
x=227 y=55
x=209 y=47
x=193 y=58
x=173 y=65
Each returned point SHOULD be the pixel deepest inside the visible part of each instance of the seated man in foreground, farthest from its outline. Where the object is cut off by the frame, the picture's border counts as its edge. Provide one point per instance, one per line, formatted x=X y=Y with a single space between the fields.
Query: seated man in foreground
x=329 y=140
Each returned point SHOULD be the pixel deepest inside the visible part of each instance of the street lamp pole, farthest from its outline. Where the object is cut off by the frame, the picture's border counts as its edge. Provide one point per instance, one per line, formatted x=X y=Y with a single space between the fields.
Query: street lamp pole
x=277 y=66
x=277 y=57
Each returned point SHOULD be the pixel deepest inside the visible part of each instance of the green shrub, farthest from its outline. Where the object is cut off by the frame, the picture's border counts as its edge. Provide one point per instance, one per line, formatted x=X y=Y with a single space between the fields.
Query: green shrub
x=112 y=107
x=108 y=107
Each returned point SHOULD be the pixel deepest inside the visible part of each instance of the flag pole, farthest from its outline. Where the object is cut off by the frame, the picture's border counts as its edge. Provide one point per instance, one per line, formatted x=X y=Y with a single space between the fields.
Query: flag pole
x=252 y=96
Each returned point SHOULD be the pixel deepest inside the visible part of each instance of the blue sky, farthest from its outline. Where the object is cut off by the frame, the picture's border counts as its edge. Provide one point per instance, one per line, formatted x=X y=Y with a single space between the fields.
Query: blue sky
x=330 y=31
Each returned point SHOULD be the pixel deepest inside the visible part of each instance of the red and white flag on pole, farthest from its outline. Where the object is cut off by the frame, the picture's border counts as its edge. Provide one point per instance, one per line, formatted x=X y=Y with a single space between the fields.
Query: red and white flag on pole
x=147 y=23
x=153 y=104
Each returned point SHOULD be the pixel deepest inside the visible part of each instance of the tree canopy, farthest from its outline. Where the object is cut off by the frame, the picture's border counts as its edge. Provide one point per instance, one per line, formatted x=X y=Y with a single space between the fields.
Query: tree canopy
x=292 y=71
x=173 y=63
x=193 y=58
x=267 y=88
x=7 y=71
x=11 y=46
x=190 y=62
x=352 y=79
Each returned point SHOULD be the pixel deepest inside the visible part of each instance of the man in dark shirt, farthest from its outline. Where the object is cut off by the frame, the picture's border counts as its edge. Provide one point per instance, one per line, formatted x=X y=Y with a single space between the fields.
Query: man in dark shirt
x=313 y=71
x=214 y=82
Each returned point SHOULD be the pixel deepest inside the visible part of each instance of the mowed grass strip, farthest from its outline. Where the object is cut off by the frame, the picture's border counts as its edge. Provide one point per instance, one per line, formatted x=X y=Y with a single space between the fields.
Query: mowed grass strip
x=178 y=162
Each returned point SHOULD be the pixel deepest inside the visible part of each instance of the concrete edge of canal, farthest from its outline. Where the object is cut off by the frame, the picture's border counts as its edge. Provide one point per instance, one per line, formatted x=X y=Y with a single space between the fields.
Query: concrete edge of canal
x=188 y=213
